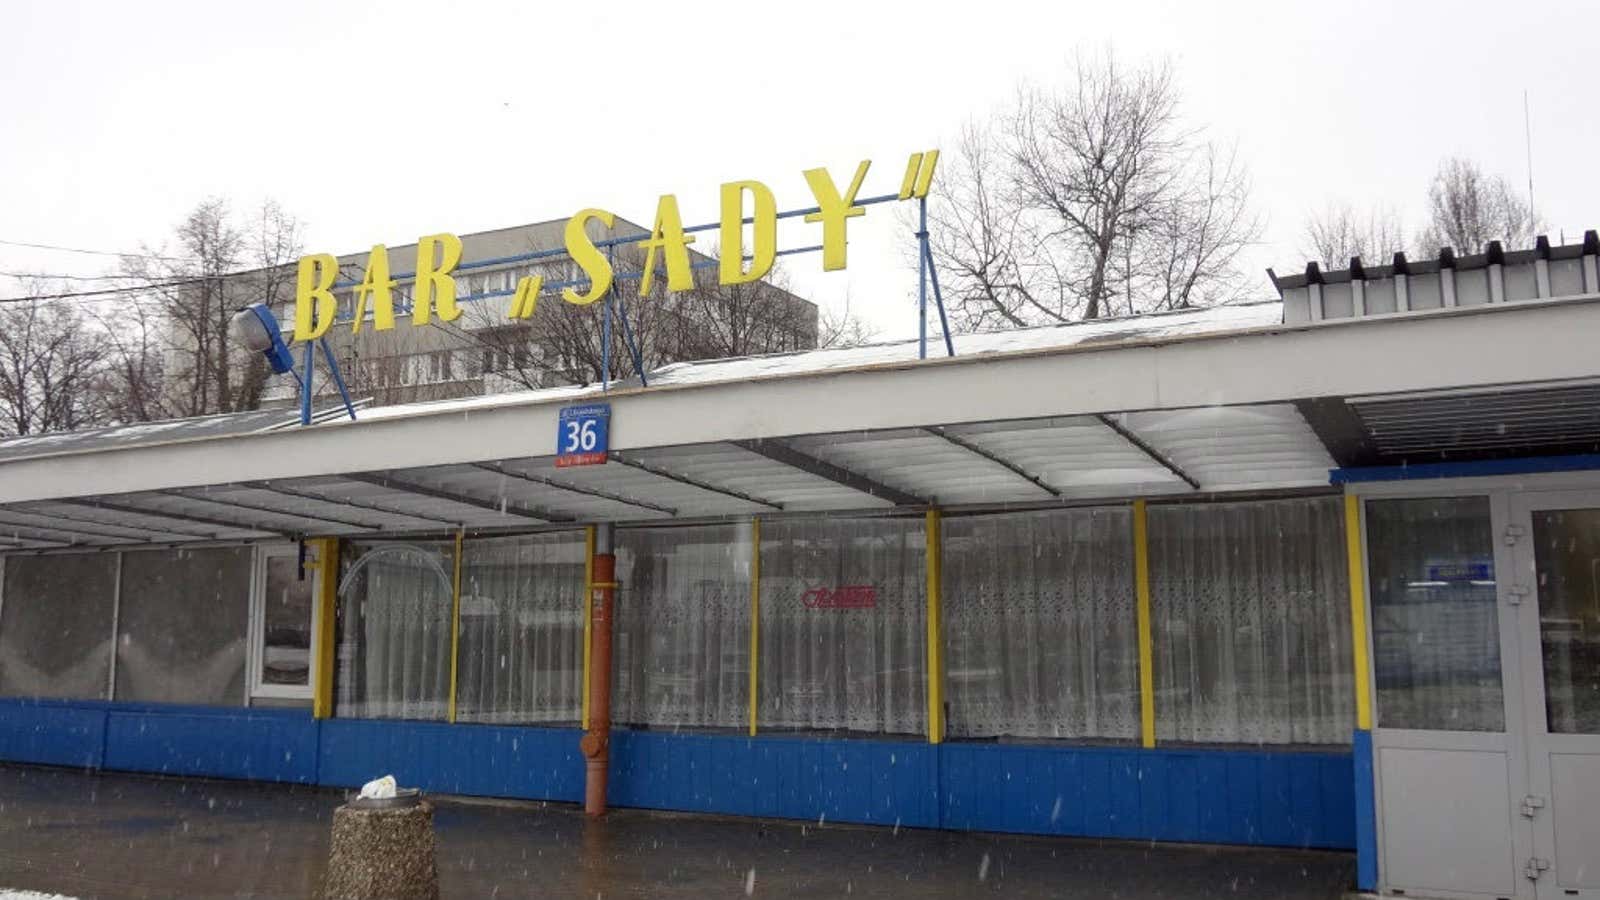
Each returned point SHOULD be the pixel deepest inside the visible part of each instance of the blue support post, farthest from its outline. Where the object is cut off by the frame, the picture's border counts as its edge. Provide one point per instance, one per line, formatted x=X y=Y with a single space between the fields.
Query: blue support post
x=338 y=378
x=922 y=278
x=633 y=348
x=938 y=298
x=305 y=386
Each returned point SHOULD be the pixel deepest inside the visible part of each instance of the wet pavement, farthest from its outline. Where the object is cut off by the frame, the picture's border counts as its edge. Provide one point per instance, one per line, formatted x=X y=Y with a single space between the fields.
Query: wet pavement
x=111 y=835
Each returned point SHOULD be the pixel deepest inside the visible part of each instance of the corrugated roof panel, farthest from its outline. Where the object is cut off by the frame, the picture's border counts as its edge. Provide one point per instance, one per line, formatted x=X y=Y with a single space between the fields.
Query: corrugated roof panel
x=921 y=464
x=1072 y=454
x=751 y=473
x=1264 y=446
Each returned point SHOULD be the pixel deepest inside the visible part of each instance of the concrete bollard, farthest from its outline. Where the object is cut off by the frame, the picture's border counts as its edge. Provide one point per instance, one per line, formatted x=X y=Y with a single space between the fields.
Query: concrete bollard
x=382 y=848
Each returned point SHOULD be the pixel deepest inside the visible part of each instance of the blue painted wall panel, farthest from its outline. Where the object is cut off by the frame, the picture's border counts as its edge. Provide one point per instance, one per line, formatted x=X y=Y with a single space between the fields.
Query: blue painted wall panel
x=876 y=782
x=479 y=760
x=51 y=733
x=216 y=743
x=1365 y=813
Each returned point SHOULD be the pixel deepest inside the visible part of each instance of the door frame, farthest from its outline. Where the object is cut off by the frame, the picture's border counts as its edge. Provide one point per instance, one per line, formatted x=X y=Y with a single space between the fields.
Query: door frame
x=1539 y=742
x=1516 y=739
x=255 y=688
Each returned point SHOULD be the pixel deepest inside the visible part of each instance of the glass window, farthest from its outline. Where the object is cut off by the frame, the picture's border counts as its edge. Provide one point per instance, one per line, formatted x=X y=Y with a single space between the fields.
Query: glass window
x=288 y=596
x=183 y=624
x=683 y=626
x=843 y=625
x=55 y=626
x=1435 y=630
x=1566 y=547
x=1039 y=624
x=1251 y=625
x=395 y=607
x=521 y=653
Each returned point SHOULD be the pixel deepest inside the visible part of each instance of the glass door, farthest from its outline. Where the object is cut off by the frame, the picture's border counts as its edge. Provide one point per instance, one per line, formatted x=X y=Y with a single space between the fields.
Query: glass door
x=283 y=622
x=1557 y=595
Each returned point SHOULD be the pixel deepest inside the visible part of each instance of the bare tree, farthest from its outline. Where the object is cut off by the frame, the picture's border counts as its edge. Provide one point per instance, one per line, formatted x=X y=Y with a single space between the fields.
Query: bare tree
x=1338 y=233
x=843 y=328
x=188 y=297
x=1467 y=209
x=1085 y=195
x=50 y=367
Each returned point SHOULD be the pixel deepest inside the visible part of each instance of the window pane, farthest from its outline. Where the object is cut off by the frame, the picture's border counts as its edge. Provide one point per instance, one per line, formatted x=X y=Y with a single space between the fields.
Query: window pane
x=843 y=629
x=1039 y=624
x=394 y=630
x=683 y=626
x=1251 y=624
x=286 y=622
x=55 y=626
x=1435 y=632
x=183 y=624
x=521 y=654
x=1566 y=546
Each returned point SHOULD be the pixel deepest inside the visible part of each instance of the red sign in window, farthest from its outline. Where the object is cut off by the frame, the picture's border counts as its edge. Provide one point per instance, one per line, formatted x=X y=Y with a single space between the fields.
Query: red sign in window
x=849 y=596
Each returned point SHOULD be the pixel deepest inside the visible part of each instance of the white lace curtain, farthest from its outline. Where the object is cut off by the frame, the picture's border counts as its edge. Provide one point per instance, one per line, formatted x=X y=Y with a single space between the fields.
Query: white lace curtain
x=395 y=603
x=521 y=652
x=1039 y=625
x=829 y=658
x=1250 y=608
x=683 y=626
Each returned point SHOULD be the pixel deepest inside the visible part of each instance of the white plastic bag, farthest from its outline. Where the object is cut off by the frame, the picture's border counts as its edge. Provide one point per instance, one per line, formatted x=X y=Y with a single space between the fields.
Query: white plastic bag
x=379 y=789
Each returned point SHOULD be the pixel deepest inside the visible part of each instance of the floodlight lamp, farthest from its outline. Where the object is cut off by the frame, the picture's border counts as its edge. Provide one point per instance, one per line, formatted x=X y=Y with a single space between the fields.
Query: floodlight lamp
x=257 y=329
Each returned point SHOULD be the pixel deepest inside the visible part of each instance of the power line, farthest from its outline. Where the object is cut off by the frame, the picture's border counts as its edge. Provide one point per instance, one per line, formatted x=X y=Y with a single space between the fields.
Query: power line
x=51 y=276
x=106 y=292
x=115 y=253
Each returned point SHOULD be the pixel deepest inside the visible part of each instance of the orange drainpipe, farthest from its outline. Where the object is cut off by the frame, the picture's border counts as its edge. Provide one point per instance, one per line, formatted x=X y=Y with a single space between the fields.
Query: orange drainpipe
x=597 y=742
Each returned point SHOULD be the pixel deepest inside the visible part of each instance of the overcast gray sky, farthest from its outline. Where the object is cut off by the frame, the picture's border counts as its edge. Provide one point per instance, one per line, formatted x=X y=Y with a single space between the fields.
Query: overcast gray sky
x=380 y=122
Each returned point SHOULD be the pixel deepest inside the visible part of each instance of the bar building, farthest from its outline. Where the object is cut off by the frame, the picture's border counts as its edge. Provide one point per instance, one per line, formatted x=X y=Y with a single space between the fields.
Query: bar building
x=1318 y=572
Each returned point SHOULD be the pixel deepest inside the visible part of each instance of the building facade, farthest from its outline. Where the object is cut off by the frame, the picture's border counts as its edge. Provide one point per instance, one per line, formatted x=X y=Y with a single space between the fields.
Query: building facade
x=1288 y=574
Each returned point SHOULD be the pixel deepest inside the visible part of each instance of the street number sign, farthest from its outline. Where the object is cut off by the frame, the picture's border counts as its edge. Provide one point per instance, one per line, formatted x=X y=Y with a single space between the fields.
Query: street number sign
x=583 y=434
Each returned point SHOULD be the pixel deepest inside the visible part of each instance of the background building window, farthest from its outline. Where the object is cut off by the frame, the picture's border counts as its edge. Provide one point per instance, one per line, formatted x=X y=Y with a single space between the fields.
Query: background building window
x=55 y=626
x=1250 y=608
x=1435 y=622
x=395 y=607
x=521 y=652
x=683 y=626
x=183 y=626
x=1039 y=625
x=843 y=625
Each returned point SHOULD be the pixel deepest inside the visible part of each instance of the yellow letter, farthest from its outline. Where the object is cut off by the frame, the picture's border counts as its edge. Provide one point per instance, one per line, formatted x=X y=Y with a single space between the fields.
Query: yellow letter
x=668 y=237
x=591 y=260
x=527 y=296
x=834 y=210
x=376 y=284
x=313 y=283
x=765 y=219
x=434 y=283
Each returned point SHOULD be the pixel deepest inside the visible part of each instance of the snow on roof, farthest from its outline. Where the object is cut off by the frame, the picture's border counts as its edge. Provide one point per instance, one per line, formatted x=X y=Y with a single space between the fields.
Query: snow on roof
x=1099 y=332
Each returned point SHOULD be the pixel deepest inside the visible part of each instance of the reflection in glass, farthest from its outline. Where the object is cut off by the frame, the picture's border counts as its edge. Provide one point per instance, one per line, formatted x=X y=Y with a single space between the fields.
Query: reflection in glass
x=183 y=626
x=1566 y=547
x=286 y=622
x=55 y=626
x=1435 y=629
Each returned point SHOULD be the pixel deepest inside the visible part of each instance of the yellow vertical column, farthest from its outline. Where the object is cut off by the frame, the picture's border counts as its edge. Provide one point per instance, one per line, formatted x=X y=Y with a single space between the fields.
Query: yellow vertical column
x=327 y=621
x=934 y=539
x=755 y=621
x=1358 y=610
x=455 y=622
x=1141 y=586
x=588 y=603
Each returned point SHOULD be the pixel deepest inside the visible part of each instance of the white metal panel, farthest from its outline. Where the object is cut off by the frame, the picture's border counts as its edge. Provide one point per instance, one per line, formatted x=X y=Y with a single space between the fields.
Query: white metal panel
x=921 y=464
x=1078 y=455
x=1537 y=340
x=1446 y=825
